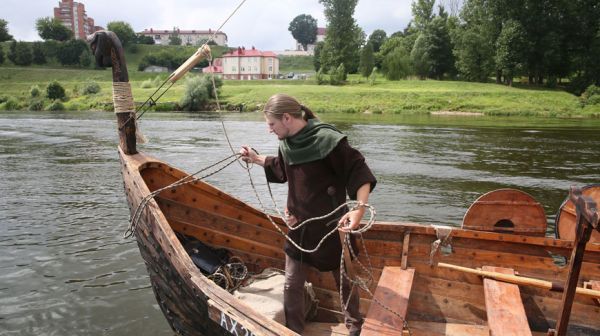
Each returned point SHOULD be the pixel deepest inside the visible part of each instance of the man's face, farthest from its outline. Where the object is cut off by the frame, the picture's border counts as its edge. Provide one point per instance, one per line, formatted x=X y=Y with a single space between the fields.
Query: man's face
x=279 y=127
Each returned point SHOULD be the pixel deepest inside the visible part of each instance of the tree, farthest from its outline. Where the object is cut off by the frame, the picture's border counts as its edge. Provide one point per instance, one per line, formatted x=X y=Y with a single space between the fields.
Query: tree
x=1 y=55
x=317 y=55
x=342 y=44
x=397 y=64
x=474 y=41
x=4 y=35
x=174 y=38
x=304 y=29
x=22 y=54
x=145 y=39
x=367 y=60
x=419 y=57
x=39 y=57
x=422 y=11
x=52 y=29
x=510 y=50
x=439 y=48
x=376 y=39
x=124 y=32
x=12 y=51
x=69 y=52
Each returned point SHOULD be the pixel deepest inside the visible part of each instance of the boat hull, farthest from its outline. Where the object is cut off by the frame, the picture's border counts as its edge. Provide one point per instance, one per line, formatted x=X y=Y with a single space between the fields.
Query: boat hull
x=193 y=305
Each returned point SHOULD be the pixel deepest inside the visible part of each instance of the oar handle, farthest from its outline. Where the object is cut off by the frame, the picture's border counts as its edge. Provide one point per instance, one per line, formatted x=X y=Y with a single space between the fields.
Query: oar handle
x=202 y=52
x=520 y=280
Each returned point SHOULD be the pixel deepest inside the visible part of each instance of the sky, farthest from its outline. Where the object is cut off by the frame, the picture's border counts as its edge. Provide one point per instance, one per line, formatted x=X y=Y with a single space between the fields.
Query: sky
x=260 y=23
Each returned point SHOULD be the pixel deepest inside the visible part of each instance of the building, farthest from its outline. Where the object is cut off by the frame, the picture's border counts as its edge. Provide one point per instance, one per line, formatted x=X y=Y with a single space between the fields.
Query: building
x=188 y=37
x=72 y=15
x=250 y=64
x=321 y=33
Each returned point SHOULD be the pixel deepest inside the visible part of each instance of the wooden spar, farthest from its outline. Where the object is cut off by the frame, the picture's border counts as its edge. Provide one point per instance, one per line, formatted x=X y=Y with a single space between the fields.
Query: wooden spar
x=587 y=220
x=202 y=52
x=520 y=280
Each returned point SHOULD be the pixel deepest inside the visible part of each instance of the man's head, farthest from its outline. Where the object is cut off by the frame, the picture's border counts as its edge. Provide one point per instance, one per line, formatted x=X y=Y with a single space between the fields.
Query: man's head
x=285 y=116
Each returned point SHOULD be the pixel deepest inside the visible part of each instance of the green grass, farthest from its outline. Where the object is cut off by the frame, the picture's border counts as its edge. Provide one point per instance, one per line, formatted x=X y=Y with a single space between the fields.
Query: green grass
x=298 y=64
x=385 y=98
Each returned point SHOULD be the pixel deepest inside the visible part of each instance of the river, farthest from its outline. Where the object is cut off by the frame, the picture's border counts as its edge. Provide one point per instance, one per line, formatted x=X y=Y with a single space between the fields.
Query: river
x=66 y=270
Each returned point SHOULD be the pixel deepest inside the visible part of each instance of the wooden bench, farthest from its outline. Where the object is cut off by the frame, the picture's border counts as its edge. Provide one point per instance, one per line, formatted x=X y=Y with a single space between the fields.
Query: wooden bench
x=393 y=290
x=505 y=310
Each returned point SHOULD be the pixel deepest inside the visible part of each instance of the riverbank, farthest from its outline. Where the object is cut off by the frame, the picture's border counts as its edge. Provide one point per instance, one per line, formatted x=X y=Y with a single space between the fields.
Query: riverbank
x=357 y=97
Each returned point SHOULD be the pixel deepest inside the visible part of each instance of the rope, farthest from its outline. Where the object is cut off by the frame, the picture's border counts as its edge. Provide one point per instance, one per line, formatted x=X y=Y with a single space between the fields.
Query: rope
x=185 y=180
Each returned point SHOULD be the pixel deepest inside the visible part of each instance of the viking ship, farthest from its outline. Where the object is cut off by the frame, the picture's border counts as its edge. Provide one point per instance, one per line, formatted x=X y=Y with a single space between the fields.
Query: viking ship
x=499 y=274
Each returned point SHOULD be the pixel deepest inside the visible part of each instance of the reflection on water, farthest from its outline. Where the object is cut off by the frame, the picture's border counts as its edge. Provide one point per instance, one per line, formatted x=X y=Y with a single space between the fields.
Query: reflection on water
x=65 y=270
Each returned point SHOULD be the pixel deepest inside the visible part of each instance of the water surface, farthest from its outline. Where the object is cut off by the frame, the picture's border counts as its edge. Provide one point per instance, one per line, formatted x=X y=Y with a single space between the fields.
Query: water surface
x=66 y=270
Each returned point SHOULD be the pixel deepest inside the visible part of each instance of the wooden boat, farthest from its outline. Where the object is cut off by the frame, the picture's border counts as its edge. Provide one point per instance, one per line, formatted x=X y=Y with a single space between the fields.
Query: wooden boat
x=445 y=297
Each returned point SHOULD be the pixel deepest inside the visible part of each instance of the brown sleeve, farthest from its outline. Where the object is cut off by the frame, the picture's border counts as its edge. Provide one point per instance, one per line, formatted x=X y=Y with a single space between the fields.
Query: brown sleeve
x=275 y=169
x=350 y=163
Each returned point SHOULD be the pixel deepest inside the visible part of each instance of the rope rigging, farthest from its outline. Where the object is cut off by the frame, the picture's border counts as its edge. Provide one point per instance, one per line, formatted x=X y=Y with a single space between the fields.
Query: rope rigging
x=231 y=275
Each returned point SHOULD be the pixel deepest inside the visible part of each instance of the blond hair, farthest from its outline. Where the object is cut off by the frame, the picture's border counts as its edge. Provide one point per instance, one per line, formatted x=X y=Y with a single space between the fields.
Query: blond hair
x=281 y=103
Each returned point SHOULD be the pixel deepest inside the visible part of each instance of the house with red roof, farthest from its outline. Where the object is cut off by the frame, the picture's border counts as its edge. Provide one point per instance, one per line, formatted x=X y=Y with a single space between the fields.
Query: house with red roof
x=249 y=64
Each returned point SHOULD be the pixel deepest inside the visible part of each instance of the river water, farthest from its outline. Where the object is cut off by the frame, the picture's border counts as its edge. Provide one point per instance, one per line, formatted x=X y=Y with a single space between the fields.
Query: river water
x=66 y=270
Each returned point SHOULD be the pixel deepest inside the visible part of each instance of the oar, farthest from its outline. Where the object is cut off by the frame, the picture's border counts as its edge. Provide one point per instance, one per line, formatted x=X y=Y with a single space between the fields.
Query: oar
x=519 y=280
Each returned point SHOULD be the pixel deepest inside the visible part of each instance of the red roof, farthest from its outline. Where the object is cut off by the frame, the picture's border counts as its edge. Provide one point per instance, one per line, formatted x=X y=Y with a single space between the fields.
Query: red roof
x=321 y=31
x=213 y=69
x=243 y=52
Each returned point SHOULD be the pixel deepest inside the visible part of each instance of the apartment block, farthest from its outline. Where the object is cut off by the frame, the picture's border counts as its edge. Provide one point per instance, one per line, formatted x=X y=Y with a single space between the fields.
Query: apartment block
x=72 y=15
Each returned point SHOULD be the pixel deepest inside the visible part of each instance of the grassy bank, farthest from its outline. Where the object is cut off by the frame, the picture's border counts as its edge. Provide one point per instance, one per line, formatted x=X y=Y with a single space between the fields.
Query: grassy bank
x=357 y=97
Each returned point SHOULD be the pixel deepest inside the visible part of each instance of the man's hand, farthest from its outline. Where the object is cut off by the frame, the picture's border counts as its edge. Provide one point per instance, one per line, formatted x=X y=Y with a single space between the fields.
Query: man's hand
x=249 y=155
x=351 y=220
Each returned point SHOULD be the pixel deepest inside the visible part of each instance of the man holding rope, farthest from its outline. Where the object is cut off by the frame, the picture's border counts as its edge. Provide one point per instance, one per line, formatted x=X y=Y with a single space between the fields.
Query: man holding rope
x=320 y=168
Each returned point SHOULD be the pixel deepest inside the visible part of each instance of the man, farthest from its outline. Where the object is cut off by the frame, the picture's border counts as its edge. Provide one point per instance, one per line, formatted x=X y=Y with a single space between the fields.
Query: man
x=320 y=168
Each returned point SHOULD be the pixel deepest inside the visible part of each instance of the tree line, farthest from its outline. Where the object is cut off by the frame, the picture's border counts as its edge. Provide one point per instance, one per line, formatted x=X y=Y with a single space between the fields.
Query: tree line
x=542 y=42
x=59 y=44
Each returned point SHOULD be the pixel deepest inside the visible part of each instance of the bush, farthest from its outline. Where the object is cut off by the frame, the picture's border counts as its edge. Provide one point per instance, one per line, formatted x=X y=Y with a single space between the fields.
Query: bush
x=196 y=94
x=34 y=91
x=36 y=104
x=1 y=55
x=85 y=58
x=56 y=105
x=91 y=88
x=146 y=84
x=373 y=76
x=55 y=91
x=338 y=76
x=591 y=96
x=321 y=77
x=10 y=104
x=208 y=83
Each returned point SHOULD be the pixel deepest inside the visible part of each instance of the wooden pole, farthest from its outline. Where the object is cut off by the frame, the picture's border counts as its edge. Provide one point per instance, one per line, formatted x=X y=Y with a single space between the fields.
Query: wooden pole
x=126 y=127
x=587 y=220
x=519 y=280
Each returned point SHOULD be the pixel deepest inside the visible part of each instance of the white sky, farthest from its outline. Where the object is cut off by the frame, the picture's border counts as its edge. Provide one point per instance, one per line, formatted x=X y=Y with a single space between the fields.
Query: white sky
x=260 y=23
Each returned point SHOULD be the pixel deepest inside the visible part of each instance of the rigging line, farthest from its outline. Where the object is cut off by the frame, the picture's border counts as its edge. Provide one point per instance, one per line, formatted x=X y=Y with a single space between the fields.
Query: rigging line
x=154 y=100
